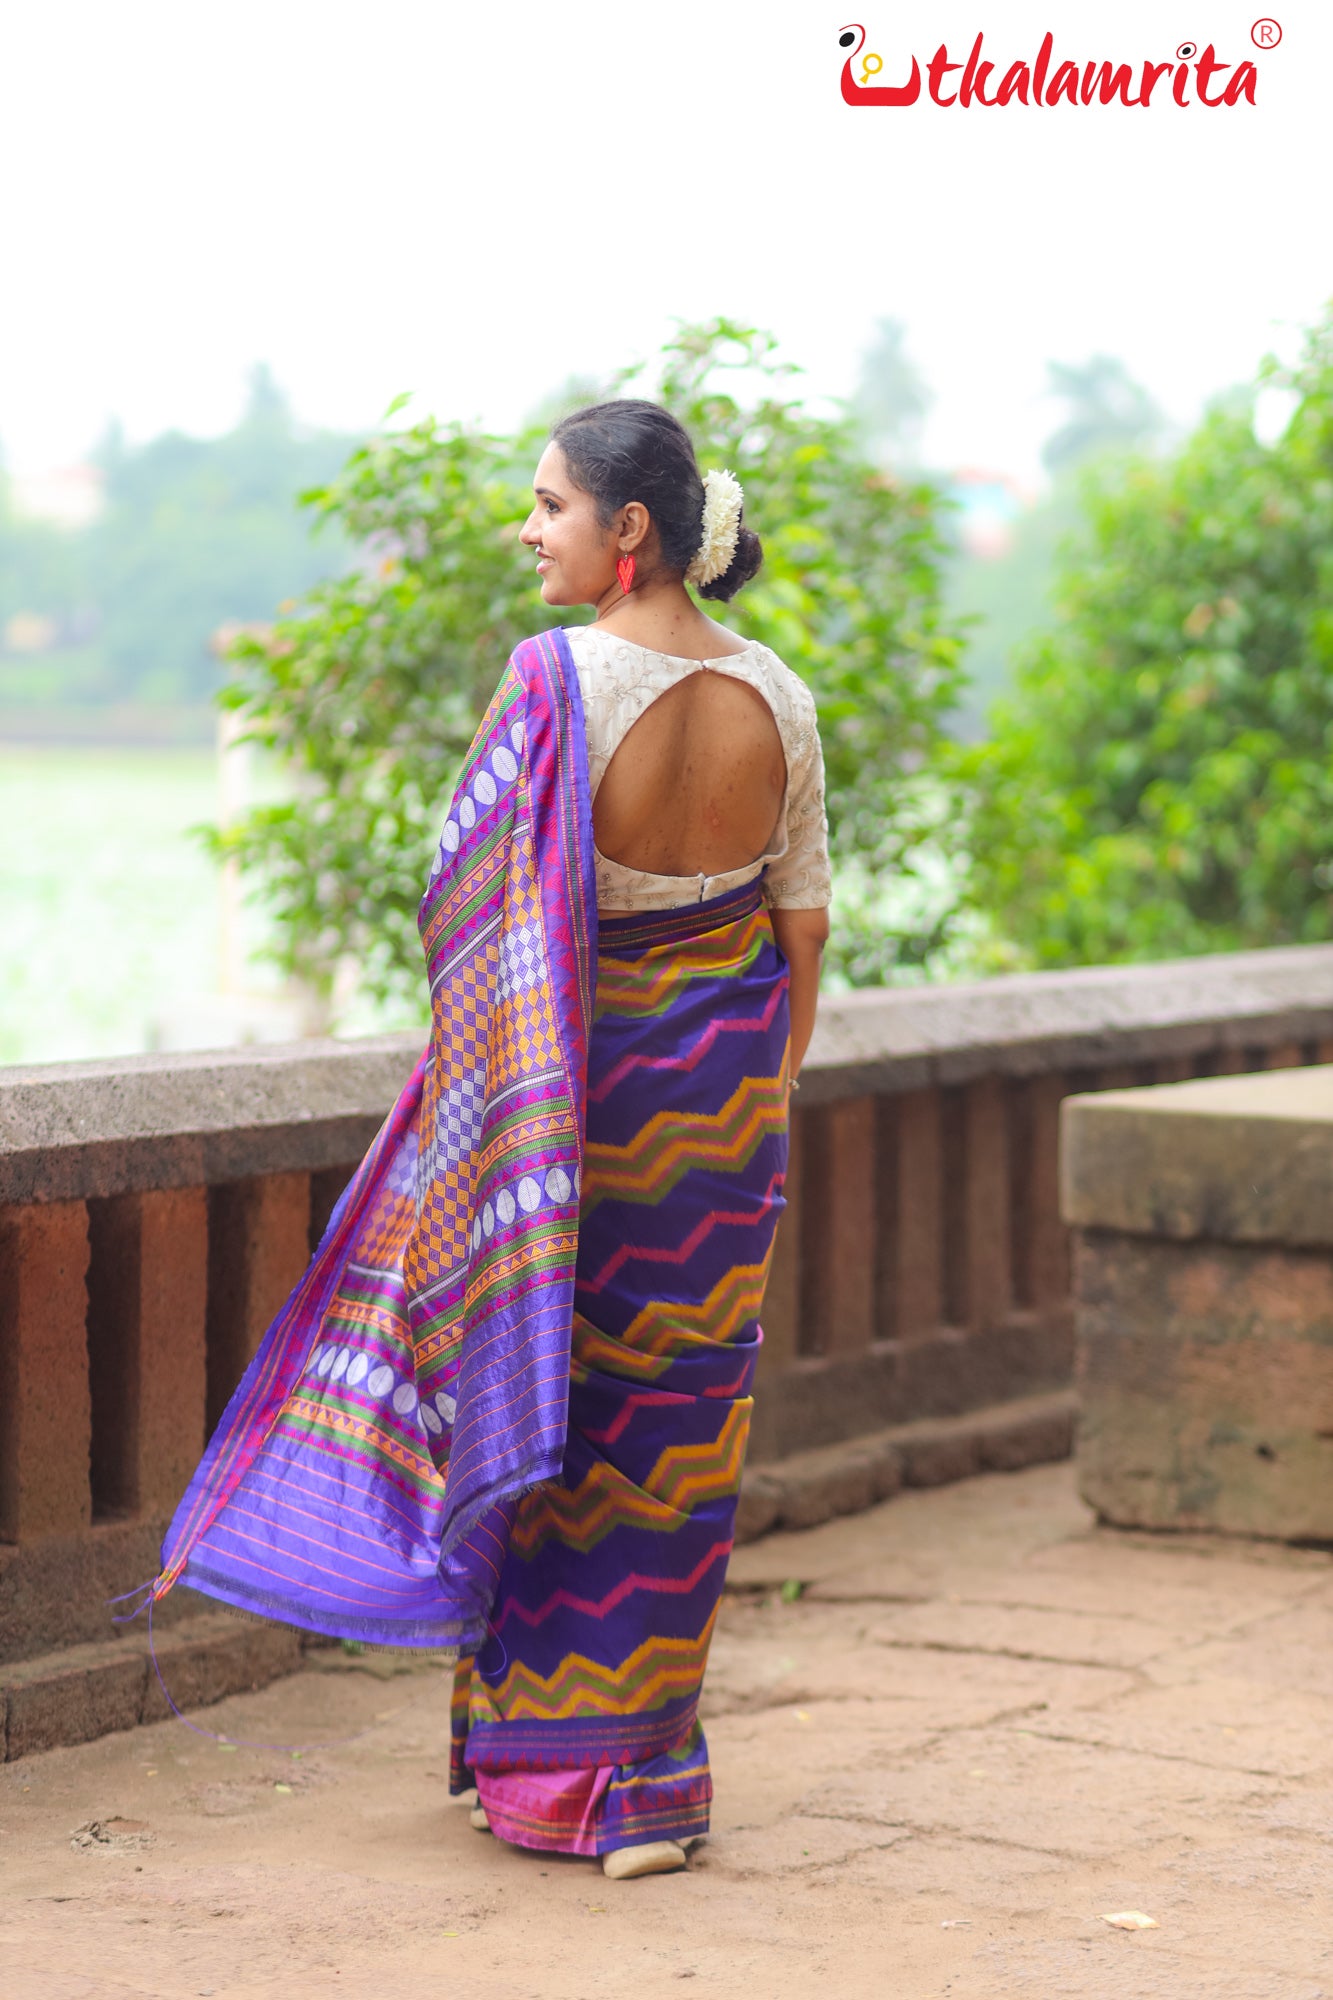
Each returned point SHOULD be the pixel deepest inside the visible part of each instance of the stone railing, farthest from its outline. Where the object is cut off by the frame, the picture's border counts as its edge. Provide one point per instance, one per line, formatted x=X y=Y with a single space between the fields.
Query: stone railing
x=155 y=1211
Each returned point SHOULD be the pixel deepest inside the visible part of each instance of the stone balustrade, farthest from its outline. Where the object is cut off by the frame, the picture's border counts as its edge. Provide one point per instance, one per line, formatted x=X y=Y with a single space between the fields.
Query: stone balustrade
x=155 y=1211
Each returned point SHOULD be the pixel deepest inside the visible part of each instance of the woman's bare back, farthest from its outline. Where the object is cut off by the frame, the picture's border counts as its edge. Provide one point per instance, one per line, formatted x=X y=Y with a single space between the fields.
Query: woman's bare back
x=696 y=787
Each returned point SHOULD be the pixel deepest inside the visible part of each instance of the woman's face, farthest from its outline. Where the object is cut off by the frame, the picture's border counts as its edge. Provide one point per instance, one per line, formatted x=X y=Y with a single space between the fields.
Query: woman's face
x=576 y=556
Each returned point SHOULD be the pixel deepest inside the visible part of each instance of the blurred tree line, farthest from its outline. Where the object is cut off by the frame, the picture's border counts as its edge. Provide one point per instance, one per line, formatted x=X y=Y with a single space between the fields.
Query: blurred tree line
x=1003 y=595
x=193 y=532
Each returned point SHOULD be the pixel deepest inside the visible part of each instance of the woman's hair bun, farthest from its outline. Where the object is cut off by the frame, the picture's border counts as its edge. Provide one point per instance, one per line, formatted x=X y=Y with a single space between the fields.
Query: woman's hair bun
x=746 y=563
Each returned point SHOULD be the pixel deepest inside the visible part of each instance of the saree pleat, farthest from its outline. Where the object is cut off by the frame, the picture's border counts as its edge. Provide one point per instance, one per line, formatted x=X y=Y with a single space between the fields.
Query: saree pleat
x=578 y=1719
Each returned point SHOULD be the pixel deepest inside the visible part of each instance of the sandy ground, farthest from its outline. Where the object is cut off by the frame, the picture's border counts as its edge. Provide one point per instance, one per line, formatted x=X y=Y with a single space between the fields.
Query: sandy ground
x=982 y=1726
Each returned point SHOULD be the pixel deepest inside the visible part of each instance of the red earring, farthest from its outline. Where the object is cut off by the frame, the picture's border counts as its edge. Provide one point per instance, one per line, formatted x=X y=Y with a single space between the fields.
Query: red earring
x=625 y=571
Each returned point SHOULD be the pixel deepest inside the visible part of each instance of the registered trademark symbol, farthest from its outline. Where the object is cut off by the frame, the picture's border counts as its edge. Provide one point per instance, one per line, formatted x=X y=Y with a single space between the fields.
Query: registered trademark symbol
x=1265 y=34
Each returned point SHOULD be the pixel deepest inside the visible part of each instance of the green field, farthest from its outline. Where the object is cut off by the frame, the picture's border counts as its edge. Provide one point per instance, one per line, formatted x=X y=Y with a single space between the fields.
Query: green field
x=109 y=909
x=111 y=913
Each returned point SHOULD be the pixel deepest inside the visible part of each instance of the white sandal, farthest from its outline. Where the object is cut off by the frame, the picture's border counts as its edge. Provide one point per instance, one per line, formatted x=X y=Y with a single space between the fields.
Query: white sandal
x=655 y=1857
x=477 y=1817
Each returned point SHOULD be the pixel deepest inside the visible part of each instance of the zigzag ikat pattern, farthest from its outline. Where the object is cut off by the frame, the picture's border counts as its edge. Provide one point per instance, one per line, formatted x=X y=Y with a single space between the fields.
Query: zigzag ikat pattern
x=577 y=1720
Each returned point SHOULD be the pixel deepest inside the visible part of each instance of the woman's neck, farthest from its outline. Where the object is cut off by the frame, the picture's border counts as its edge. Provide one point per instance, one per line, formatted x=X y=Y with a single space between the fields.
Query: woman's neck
x=665 y=618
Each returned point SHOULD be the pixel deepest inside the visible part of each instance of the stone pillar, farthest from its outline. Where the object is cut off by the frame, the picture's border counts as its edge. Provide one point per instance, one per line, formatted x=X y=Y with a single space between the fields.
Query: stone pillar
x=45 y=1425
x=1040 y=1239
x=1204 y=1302
x=850 y=1223
x=978 y=1278
x=147 y=1287
x=911 y=1168
x=838 y=1235
x=326 y=1184
x=258 y=1246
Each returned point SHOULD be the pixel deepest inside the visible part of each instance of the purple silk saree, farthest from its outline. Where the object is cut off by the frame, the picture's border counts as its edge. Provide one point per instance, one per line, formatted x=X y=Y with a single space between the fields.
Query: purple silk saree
x=506 y=1409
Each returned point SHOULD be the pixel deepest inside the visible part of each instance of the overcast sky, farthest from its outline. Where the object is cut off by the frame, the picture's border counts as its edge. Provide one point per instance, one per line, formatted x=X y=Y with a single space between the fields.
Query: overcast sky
x=387 y=196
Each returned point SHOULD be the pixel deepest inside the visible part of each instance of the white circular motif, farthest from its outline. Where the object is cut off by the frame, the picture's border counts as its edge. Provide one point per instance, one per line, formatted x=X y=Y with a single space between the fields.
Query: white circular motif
x=484 y=791
x=516 y=738
x=437 y=863
x=432 y=1422
x=325 y=1361
x=339 y=1368
x=558 y=1184
x=356 y=1371
x=467 y=812
x=451 y=836
x=380 y=1381
x=505 y=1206
x=447 y=1406
x=488 y=1219
x=404 y=1399
x=529 y=1194
x=476 y=1234
x=505 y=765
x=578 y=1180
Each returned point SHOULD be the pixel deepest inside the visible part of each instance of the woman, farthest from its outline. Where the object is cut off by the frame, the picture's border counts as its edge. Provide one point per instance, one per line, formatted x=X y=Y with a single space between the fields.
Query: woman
x=506 y=1409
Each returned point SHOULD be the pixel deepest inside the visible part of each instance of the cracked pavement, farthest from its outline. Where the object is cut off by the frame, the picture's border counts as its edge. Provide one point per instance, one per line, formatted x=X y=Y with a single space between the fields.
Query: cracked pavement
x=982 y=1725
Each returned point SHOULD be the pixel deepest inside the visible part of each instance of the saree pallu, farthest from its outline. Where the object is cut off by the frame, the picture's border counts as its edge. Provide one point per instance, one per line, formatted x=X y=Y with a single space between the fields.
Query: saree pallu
x=577 y=1721
x=417 y=1379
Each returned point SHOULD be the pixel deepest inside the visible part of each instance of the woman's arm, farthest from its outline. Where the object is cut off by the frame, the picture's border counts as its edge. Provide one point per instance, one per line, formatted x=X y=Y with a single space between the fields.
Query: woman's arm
x=801 y=936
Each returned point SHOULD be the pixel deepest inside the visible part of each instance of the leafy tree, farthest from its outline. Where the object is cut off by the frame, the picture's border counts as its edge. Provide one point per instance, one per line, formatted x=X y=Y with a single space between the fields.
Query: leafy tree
x=1105 y=409
x=892 y=398
x=371 y=689
x=195 y=533
x=34 y=561
x=198 y=532
x=1007 y=596
x=1162 y=780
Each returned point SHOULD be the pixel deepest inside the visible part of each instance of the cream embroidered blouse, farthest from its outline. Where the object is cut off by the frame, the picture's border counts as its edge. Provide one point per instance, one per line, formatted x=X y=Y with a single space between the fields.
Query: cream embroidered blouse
x=619 y=680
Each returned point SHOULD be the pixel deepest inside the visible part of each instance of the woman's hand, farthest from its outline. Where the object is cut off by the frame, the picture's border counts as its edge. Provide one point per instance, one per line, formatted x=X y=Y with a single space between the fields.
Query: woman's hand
x=801 y=936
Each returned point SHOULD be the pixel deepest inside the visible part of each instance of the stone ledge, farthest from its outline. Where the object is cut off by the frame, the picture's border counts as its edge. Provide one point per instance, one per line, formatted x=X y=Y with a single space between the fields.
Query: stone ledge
x=70 y=1131
x=813 y=1486
x=1231 y=1159
x=87 y=1691
x=1024 y=1024
x=835 y=1400
x=58 y=1591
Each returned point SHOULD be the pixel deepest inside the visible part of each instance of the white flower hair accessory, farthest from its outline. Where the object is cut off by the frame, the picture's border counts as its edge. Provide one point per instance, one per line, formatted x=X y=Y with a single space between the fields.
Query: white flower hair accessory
x=723 y=500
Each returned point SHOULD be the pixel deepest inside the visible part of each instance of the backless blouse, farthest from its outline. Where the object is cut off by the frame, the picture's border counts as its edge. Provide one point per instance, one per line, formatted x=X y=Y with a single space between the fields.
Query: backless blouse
x=619 y=680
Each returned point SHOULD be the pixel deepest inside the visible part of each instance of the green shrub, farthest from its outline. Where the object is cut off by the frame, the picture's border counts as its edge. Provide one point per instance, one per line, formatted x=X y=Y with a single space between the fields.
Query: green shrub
x=1161 y=782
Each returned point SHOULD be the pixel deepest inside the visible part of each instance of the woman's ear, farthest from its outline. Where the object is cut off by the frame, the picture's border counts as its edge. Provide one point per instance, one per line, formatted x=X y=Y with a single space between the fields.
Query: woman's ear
x=633 y=526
